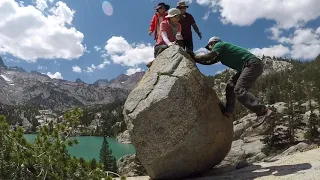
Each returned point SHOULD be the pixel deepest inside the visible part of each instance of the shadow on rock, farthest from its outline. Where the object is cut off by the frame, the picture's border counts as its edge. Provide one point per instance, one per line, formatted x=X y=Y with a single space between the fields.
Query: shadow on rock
x=256 y=171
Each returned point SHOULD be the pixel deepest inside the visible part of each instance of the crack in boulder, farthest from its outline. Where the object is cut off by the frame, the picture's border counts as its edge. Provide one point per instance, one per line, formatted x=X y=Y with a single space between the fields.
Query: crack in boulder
x=176 y=65
x=156 y=82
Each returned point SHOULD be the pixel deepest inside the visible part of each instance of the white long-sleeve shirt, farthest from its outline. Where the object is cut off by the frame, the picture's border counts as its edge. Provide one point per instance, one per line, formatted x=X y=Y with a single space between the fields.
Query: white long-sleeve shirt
x=165 y=37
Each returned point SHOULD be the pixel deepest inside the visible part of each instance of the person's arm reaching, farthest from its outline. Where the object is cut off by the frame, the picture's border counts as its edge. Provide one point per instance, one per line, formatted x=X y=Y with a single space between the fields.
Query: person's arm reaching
x=207 y=59
x=165 y=38
x=195 y=27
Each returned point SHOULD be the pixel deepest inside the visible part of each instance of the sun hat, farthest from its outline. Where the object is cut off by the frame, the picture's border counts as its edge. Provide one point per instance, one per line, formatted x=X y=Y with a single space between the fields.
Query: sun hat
x=173 y=12
x=162 y=4
x=213 y=39
x=182 y=4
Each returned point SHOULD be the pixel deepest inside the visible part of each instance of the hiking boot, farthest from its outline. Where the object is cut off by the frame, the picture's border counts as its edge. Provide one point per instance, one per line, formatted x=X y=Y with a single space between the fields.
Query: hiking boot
x=262 y=119
x=223 y=110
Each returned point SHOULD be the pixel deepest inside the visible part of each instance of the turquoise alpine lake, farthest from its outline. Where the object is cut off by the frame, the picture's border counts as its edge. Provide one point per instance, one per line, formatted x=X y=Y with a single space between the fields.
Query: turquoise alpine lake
x=89 y=147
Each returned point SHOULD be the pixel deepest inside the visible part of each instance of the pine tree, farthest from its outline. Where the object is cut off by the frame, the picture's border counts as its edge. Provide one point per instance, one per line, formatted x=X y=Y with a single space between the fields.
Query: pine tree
x=275 y=134
x=93 y=164
x=106 y=158
x=47 y=157
x=313 y=124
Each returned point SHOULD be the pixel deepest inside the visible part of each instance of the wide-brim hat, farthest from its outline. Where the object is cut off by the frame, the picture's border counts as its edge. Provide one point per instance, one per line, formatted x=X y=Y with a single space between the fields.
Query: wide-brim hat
x=173 y=12
x=212 y=39
x=182 y=4
x=162 y=4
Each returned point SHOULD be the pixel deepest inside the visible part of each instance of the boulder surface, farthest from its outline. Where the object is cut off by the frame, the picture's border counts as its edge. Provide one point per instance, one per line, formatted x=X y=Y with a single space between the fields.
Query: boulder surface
x=130 y=166
x=174 y=119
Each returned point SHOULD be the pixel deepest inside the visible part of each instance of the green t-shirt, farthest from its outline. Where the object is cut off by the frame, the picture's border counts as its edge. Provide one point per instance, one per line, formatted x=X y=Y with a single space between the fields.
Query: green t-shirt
x=231 y=55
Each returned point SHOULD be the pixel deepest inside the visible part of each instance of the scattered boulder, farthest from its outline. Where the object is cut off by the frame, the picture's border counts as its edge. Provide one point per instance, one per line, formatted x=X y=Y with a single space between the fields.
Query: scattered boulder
x=240 y=126
x=124 y=137
x=300 y=147
x=130 y=166
x=242 y=154
x=177 y=127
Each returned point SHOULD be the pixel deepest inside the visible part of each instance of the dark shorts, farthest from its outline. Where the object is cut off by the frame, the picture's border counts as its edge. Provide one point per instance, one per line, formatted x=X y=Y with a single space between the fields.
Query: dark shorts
x=158 y=49
x=188 y=44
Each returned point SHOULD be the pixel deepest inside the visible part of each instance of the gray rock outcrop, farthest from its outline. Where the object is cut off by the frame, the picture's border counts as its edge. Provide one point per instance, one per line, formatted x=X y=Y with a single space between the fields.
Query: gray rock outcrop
x=177 y=127
x=130 y=166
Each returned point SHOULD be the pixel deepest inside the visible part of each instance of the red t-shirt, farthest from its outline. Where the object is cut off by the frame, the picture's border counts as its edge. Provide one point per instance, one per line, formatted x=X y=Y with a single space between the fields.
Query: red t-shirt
x=186 y=21
x=164 y=26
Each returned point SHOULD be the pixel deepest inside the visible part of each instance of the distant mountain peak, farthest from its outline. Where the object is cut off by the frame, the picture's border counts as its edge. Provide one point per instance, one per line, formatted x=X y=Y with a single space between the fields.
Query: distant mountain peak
x=38 y=73
x=16 y=68
x=2 y=64
x=101 y=82
x=78 y=80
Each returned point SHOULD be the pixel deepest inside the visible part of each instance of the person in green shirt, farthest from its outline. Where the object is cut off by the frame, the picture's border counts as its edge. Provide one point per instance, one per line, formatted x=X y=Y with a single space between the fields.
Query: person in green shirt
x=248 y=67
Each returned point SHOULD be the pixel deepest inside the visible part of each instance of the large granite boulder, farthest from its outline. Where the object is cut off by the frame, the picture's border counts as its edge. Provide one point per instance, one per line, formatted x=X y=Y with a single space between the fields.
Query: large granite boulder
x=175 y=122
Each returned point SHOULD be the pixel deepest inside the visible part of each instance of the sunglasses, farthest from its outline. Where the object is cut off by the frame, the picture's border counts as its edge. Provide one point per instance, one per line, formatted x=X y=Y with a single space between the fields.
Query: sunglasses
x=177 y=16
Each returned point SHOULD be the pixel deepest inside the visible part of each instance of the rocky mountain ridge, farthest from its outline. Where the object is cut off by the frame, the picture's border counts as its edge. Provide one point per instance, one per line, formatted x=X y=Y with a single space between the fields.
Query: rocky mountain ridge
x=18 y=87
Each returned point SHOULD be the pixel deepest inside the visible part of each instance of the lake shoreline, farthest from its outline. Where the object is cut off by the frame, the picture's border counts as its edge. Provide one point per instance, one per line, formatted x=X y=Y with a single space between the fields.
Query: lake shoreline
x=89 y=147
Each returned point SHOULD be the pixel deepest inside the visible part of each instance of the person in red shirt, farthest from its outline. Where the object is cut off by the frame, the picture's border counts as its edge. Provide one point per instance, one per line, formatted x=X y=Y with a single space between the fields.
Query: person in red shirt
x=157 y=18
x=186 y=22
x=170 y=32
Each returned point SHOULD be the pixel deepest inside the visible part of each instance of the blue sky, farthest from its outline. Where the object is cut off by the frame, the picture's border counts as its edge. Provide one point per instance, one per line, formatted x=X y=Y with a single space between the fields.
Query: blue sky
x=54 y=37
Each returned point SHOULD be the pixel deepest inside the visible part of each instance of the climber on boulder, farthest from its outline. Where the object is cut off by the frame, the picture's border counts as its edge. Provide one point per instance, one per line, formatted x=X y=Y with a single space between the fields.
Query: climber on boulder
x=158 y=17
x=248 y=67
x=187 y=21
x=170 y=33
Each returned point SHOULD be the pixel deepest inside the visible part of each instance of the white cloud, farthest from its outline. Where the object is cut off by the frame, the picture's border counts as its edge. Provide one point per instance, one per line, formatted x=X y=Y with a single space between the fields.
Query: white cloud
x=206 y=16
x=318 y=30
x=133 y=70
x=41 y=4
x=21 y=3
x=286 y=13
x=76 y=69
x=276 y=32
x=210 y=3
x=91 y=68
x=97 y=48
x=188 y=1
x=304 y=42
x=302 y=36
x=103 y=64
x=28 y=33
x=276 y=50
x=56 y=75
x=121 y=52
x=304 y=51
x=62 y=12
